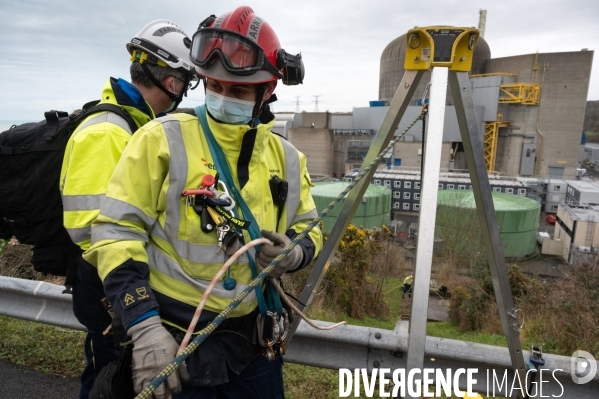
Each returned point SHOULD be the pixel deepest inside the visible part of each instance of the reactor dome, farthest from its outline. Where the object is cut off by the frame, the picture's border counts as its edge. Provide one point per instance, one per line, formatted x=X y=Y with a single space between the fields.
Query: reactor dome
x=392 y=61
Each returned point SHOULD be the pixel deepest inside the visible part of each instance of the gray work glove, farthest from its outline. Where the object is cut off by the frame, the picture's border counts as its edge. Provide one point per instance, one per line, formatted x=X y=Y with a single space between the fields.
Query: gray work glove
x=153 y=349
x=268 y=252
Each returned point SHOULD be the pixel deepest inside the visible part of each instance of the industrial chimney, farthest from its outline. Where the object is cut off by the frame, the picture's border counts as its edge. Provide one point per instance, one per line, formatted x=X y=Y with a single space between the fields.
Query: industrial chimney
x=482 y=21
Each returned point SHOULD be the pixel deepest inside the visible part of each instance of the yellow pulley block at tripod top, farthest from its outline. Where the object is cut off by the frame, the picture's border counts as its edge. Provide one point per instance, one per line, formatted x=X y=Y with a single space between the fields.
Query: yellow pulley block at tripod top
x=440 y=46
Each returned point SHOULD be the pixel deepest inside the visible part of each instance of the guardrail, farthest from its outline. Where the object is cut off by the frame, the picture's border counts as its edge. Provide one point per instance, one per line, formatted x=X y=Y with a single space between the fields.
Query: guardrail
x=350 y=347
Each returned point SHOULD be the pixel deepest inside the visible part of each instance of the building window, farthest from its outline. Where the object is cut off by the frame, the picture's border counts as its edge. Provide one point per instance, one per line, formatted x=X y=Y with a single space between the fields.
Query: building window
x=416 y=196
x=406 y=195
x=396 y=194
x=387 y=183
x=496 y=189
x=450 y=186
x=407 y=184
x=377 y=182
x=397 y=184
x=522 y=191
x=406 y=205
x=397 y=162
x=461 y=187
x=440 y=186
x=416 y=207
x=509 y=190
x=348 y=179
x=558 y=188
x=417 y=185
x=396 y=205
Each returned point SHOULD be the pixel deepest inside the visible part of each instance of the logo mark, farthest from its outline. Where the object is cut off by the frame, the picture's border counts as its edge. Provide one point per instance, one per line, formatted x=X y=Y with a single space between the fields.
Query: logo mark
x=580 y=362
x=209 y=165
x=129 y=299
x=141 y=292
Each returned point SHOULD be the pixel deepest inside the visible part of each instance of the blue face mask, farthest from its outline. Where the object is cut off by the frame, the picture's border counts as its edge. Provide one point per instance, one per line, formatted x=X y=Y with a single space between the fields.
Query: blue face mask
x=229 y=110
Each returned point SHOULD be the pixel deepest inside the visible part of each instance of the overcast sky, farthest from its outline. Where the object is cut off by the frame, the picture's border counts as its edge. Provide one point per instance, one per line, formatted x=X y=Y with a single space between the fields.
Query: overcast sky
x=57 y=54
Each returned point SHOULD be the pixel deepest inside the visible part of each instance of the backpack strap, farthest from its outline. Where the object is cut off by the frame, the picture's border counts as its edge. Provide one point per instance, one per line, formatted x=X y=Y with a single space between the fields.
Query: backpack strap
x=52 y=123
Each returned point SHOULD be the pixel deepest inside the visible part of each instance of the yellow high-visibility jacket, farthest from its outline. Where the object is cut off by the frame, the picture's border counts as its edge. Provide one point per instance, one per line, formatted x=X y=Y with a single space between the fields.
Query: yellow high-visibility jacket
x=147 y=243
x=90 y=158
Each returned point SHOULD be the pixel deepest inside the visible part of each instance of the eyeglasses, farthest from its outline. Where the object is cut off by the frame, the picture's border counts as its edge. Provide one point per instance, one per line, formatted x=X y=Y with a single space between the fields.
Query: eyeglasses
x=182 y=82
x=238 y=54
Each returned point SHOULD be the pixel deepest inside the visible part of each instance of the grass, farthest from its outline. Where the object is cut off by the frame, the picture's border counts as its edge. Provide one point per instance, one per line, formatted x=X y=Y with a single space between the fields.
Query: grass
x=53 y=350
x=447 y=330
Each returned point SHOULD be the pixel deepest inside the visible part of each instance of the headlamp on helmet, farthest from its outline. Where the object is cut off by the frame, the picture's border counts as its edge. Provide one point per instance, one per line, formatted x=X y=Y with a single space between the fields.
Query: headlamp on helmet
x=292 y=66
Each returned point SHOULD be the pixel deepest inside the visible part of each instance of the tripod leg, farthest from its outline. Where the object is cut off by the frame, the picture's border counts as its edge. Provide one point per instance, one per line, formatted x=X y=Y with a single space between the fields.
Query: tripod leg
x=471 y=139
x=426 y=219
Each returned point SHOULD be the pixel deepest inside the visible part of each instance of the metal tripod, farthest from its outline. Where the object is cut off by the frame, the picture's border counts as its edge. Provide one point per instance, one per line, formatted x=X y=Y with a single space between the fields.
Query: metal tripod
x=442 y=72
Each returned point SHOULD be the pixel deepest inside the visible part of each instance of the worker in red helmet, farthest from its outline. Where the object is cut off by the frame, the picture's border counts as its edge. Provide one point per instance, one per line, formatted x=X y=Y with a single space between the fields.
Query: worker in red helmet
x=157 y=250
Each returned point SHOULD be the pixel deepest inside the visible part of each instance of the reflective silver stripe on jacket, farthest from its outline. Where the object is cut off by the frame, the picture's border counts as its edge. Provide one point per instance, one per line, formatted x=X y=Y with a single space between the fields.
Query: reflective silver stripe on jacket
x=120 y=210
x=306 y=216
x=292 y=175
x=82 y=202
x=106 y=116
x=109 y=231
x=80 y=234
x=165 y=265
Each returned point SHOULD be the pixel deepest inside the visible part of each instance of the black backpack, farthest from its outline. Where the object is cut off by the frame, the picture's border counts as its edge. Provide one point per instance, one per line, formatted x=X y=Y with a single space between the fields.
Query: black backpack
x=30 y=203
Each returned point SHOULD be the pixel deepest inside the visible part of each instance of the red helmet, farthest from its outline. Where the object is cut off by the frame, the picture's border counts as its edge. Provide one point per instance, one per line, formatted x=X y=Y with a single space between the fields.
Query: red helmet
x=247 y=49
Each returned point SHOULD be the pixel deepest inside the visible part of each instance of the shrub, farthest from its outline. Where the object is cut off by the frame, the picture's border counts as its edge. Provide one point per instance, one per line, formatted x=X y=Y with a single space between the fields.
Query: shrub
x=353 y=284
x=561 y=315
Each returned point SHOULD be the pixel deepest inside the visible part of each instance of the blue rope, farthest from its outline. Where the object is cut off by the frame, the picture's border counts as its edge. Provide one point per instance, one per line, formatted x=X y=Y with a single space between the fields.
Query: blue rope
x=202 y=335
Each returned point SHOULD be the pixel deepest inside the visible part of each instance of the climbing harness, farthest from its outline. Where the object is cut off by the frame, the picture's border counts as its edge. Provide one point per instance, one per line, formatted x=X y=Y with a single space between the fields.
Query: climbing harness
x=256 y=283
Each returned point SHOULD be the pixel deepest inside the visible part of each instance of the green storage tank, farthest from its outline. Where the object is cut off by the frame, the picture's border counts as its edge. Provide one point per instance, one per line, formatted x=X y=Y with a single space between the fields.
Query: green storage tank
x=374 y=209
x=518 y=218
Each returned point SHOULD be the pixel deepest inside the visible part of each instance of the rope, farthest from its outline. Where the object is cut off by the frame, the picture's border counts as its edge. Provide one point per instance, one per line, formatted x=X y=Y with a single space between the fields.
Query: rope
x=202 y=335
x=215 y=279
x=299 y=312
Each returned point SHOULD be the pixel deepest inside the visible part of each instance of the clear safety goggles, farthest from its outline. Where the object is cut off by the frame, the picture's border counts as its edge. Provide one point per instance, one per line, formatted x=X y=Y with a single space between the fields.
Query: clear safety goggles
x=238 y=54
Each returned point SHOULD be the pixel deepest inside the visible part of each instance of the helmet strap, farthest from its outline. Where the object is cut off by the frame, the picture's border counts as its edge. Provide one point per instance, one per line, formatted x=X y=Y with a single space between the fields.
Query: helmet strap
x=260 y=90
x=176 y=98
x=259 y=105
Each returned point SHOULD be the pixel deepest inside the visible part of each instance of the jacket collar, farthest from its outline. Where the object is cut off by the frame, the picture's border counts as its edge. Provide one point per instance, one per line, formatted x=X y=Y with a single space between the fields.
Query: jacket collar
x=230 y=137
x=124 y=94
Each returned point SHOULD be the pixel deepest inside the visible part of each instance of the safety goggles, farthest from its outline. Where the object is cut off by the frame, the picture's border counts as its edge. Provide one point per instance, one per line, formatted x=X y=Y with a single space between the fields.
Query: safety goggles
x=238 y=54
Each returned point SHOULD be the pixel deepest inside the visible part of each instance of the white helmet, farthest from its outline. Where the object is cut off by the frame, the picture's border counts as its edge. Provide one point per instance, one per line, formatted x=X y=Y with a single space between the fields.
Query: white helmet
x=166 y=41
